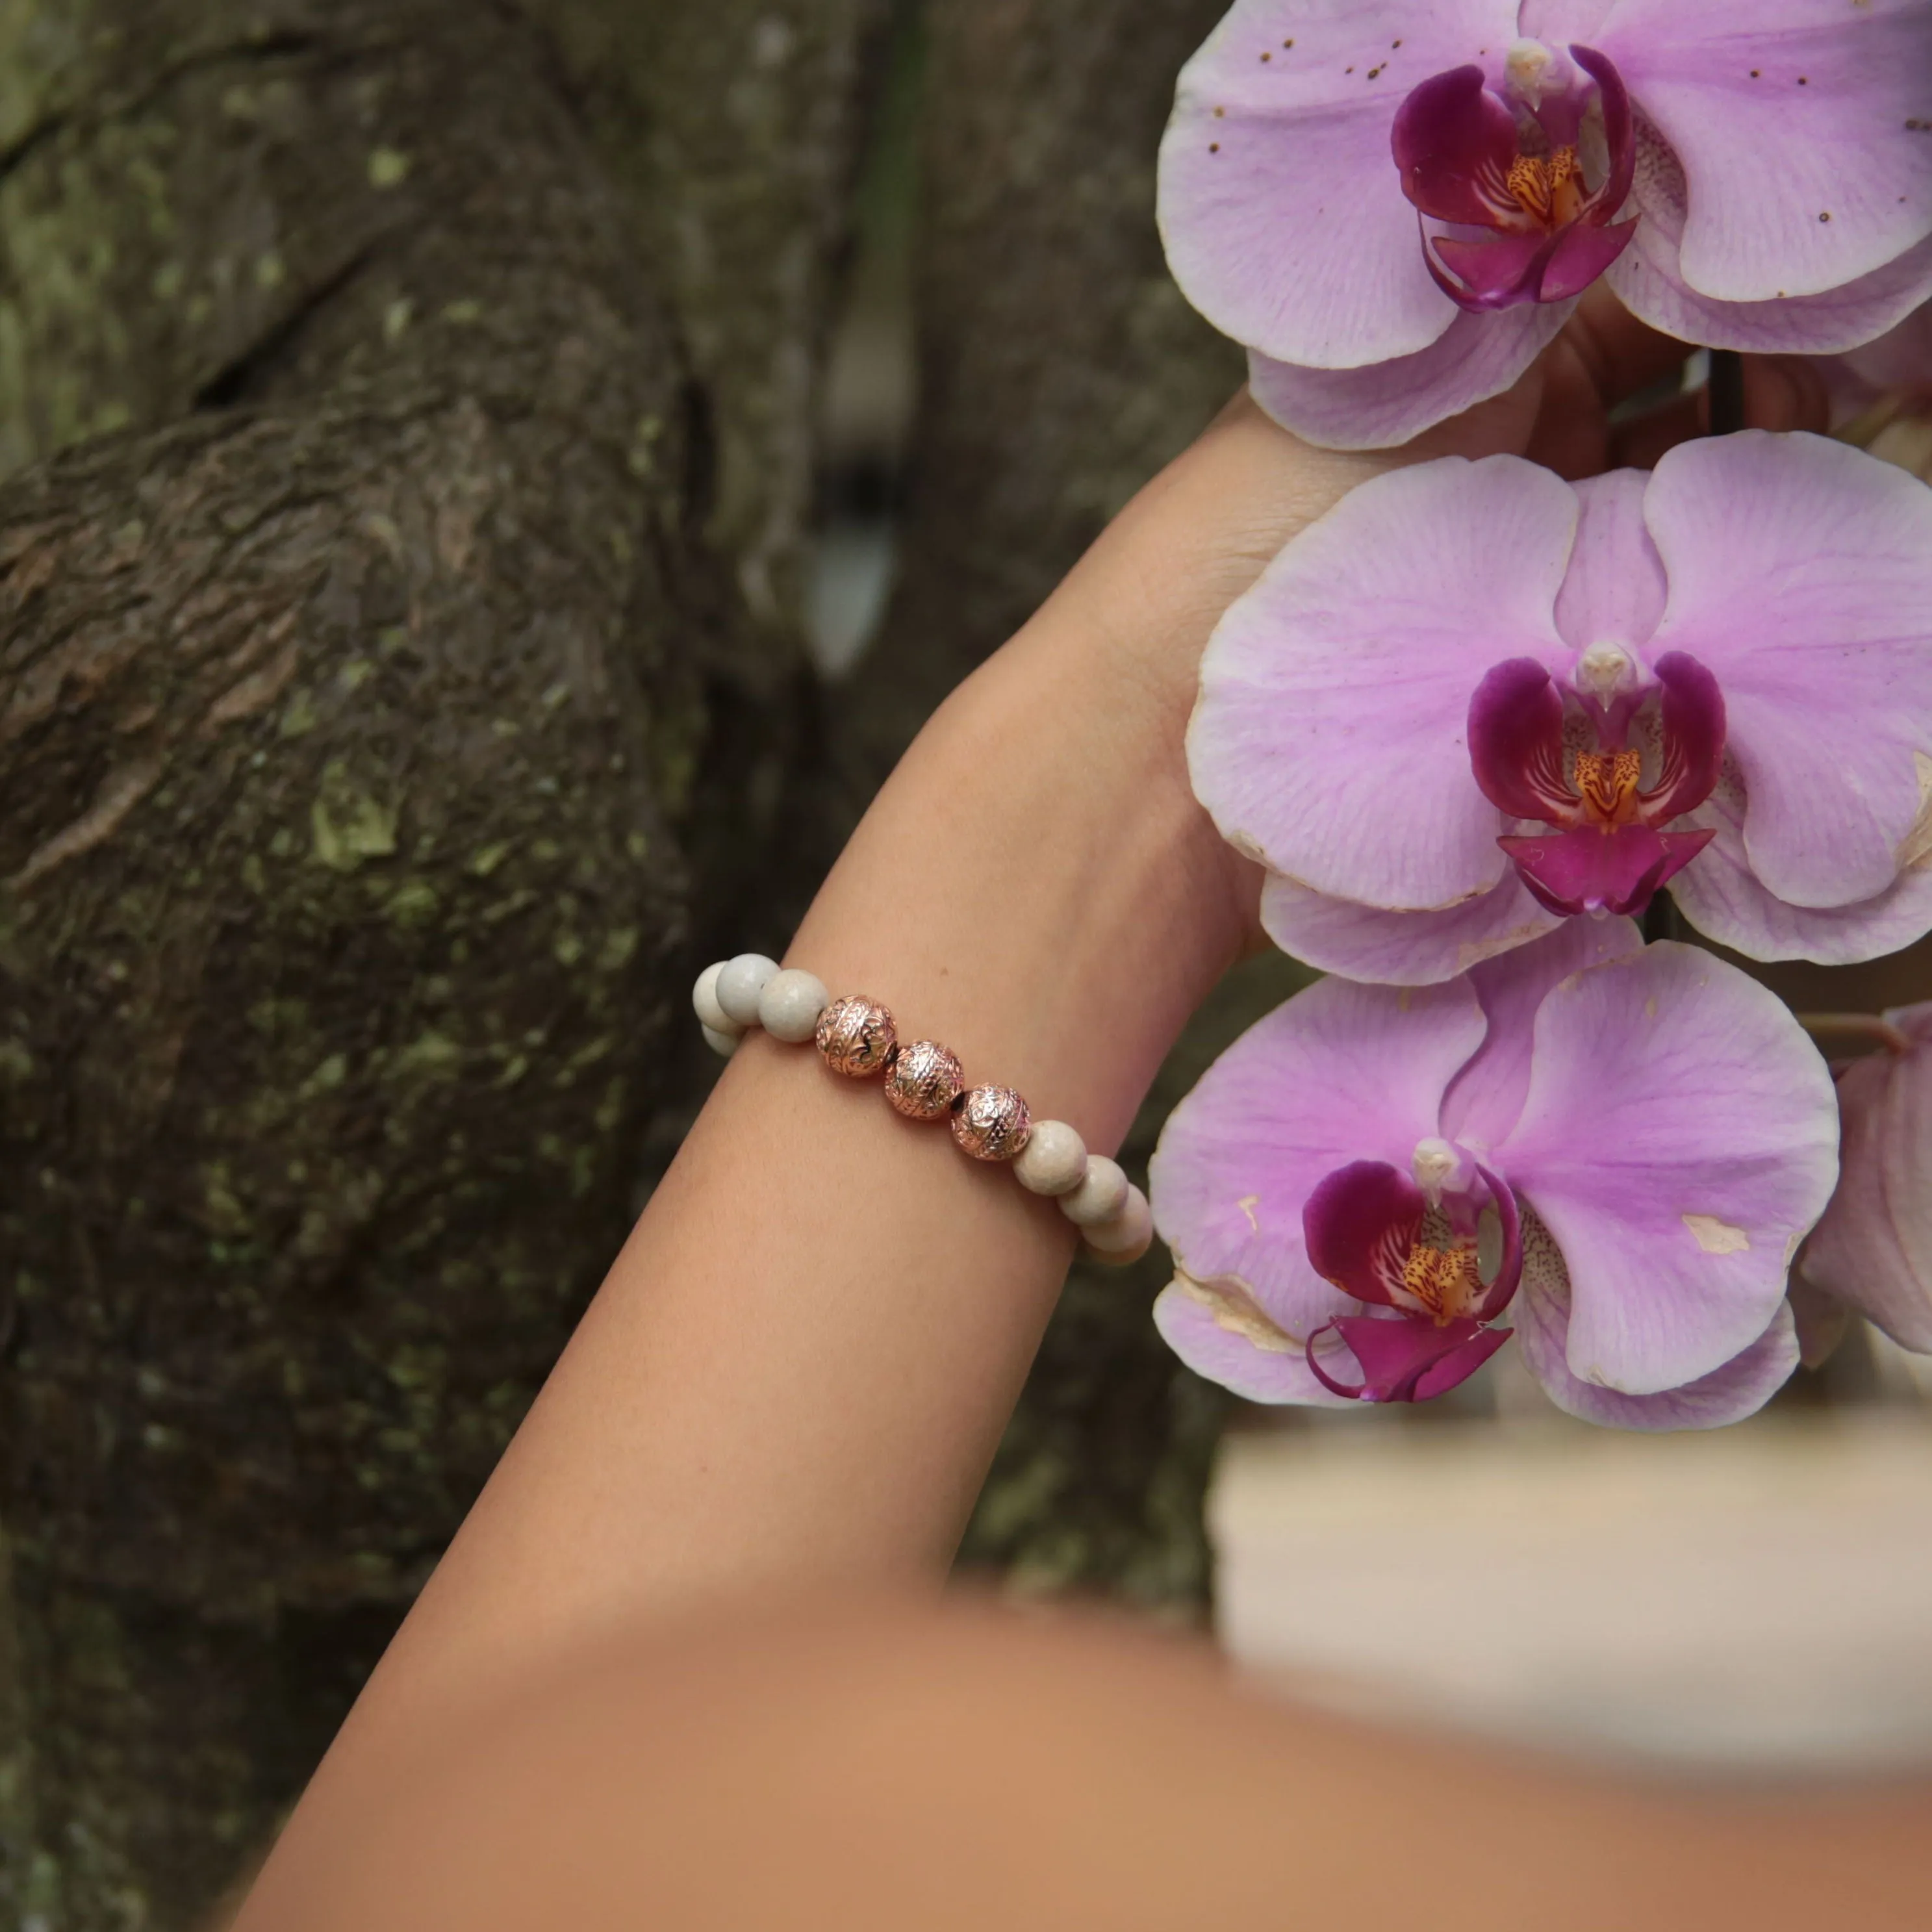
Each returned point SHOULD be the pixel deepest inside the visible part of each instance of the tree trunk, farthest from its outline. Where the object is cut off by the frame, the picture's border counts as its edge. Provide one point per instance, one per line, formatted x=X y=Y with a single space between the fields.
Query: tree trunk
x=355 y=700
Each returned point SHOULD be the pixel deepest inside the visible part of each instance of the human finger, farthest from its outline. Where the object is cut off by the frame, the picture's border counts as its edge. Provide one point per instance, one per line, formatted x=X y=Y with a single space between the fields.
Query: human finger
x=1620 y=356
x=1780 y=392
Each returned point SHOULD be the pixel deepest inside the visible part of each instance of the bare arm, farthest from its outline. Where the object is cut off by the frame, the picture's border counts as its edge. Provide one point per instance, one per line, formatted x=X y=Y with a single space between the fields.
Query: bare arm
x=798 y=1368
x=797 y=1372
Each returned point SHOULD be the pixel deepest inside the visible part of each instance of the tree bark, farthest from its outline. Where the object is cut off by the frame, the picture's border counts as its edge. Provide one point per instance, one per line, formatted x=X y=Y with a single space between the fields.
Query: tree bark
x=732 y=130
x=1059 y=365
x=363 y=668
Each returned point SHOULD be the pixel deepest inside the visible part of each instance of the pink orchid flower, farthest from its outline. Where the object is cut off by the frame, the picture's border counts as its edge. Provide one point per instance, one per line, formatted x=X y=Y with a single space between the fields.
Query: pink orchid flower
x=1395 y=205
x=1615 y=1147
x=1474 y=700
x=1873 y=1249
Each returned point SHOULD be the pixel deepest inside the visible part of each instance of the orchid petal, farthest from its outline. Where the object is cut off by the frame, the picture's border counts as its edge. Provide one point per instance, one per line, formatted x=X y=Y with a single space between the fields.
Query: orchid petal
x=1719 y=895
x=1485 y=1100
x=1781 y=113
x=1323 y=741
x=1613 y=592
x=1219 y=1332
x=1400 y=948
x=1801 y=577
x=1678 y=1137
x=1339 y=1073
x=1740 y=1387
x=1282 y=214
x=1649 y=282
x=1556 y=21
x=1387 y=403
x=1873 y=1248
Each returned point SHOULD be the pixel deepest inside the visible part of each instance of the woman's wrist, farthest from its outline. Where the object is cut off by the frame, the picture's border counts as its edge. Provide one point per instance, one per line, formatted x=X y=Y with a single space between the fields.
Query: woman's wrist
x=1036 y=880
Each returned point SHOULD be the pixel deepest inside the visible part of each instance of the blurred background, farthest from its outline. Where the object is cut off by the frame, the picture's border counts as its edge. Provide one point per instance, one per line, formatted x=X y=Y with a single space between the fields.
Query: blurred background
x=486 y=493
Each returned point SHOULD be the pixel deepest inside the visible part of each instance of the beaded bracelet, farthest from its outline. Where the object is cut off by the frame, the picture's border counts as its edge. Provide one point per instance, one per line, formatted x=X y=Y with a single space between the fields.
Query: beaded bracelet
x=924 y=1081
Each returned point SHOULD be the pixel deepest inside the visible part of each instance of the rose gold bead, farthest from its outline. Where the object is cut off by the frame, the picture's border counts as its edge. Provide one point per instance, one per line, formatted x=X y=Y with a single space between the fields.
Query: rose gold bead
x=856 y=1035
x=991 y=1123
x=925 y=1080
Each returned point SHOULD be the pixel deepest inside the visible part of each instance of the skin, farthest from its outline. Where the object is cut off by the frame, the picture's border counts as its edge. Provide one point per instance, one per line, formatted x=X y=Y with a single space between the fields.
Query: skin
x=684 y=1666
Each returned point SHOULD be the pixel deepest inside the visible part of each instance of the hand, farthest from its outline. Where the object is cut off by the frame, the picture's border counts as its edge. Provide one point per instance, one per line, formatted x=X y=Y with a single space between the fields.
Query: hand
x=1562 y=414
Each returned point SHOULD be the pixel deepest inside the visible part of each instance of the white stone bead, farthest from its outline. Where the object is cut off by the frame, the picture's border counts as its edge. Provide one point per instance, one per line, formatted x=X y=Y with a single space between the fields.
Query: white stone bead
x=1054 y=1160
x=1102 y=1194
x=711 y=1016
x=721 y=1042
x=742 y=984
x=1127 y=1236
x=789 y=1007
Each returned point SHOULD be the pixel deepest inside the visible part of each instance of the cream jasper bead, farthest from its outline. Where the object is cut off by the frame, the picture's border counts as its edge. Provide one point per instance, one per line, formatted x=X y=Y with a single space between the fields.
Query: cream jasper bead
x=742 y=984
x=1126 y=1236
x=720 y=1042
x=1054 y=1160
x=1102 y=1194
x=789 y=1007
x=711 y=1016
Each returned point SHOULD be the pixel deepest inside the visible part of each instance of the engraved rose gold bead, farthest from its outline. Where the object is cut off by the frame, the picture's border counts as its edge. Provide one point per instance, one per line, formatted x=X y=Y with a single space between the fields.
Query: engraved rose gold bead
x=856 y=1035
x=991 y=1123
x=924 y=1081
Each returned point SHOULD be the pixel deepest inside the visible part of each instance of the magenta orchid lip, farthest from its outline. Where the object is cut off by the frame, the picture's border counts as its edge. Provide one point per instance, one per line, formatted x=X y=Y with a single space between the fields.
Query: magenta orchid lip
x=1519 y=197
x=1716 y=166
x=1610 y=851
x=1413 y=1243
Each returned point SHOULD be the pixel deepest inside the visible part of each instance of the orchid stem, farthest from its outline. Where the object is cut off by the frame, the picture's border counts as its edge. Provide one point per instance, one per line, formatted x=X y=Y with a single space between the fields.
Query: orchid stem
x=1855 y=1030
x=1727 y=392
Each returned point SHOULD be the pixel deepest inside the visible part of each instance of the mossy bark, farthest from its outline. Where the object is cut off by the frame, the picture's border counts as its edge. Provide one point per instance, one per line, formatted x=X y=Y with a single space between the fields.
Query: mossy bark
x=363 y=667
x=732 y=130
x=1059 y=365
